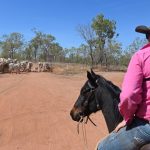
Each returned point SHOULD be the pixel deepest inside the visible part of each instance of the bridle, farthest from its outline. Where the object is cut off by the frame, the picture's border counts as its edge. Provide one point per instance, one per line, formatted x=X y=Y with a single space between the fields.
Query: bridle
x=92 y=89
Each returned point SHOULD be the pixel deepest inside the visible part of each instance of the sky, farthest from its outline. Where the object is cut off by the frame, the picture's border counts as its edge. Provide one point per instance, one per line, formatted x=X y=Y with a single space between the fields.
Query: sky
x=61 y=18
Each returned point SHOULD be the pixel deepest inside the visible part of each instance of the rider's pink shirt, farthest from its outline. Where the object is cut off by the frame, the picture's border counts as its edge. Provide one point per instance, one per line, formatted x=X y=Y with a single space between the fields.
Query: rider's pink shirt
x=135 y=95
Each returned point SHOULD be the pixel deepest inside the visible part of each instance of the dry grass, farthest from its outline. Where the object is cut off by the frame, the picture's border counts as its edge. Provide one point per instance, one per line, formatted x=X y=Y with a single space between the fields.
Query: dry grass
x=74 y=69
x=69 y=69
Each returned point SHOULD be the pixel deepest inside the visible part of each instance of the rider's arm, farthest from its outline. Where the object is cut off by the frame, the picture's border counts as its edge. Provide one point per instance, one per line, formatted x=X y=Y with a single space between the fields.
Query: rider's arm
x=131 y=95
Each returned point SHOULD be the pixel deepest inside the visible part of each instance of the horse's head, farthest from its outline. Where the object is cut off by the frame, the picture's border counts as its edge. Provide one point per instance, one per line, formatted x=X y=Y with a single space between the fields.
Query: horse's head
x=86 y=102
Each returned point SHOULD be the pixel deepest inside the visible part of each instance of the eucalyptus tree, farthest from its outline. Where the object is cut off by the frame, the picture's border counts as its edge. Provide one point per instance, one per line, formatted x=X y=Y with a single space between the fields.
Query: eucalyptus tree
x=87 y=33
x=44 y=46
x=136 y=45
x=57 y=51
x=71 y=54
x=11 y=44
x=35 y=43
x=112 y=52
x=131 y=49
x=28 y=52
x=105 y=29
x=84 y=53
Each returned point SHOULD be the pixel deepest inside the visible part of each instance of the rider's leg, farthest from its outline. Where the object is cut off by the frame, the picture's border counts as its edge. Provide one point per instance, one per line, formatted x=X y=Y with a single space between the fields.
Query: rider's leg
x=127 y=138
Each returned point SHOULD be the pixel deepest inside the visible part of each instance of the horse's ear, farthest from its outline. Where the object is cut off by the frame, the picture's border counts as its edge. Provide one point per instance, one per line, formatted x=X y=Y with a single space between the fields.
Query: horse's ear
x=89 y=76
x=93 y=73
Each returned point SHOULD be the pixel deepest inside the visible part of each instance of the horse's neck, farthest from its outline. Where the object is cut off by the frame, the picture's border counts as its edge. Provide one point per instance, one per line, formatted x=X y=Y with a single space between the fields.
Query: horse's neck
x=110 y=111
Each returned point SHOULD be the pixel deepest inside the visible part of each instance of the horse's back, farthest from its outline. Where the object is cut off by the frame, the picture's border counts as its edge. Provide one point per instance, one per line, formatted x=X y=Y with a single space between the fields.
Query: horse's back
x=146 y=147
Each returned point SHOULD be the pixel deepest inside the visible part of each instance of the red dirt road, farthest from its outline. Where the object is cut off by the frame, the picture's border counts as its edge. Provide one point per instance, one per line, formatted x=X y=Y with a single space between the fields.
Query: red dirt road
x=35 y=112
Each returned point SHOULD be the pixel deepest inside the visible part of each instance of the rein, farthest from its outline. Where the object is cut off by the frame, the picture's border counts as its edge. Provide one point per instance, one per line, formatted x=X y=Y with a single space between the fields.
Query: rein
x=83 y=132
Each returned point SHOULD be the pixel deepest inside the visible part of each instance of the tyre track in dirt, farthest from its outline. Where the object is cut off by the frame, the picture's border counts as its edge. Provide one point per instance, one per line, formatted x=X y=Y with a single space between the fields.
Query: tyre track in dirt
x=10 y=86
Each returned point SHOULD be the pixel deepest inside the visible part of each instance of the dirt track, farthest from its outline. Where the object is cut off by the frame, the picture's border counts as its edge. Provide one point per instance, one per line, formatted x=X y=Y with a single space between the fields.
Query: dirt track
x=34 y=112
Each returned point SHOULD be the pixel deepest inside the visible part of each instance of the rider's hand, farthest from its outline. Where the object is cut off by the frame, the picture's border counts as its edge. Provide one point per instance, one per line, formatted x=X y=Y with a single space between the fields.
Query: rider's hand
x=120 y=125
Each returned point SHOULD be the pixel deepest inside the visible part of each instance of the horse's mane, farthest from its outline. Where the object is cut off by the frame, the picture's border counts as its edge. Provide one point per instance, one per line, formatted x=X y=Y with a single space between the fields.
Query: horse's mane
x=112 y=87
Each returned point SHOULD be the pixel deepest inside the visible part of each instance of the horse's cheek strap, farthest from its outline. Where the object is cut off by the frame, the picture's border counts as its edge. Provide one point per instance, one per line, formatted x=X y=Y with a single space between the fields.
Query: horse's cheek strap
x=97 y=102
x=86 y=103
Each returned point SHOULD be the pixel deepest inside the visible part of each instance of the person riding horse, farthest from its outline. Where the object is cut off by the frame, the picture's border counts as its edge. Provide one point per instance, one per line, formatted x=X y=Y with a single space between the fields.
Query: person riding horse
x=134 y=130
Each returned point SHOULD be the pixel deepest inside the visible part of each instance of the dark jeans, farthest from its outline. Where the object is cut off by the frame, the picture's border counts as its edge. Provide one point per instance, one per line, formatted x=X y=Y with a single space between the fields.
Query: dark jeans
x=131 y=137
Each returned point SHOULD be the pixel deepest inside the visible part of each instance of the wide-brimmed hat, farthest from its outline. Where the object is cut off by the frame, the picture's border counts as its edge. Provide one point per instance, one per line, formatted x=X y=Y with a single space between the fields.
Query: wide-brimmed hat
x=142 y=29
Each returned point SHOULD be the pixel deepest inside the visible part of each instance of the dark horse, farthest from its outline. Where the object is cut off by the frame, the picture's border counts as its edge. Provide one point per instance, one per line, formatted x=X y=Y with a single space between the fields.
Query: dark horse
x=99 y=94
